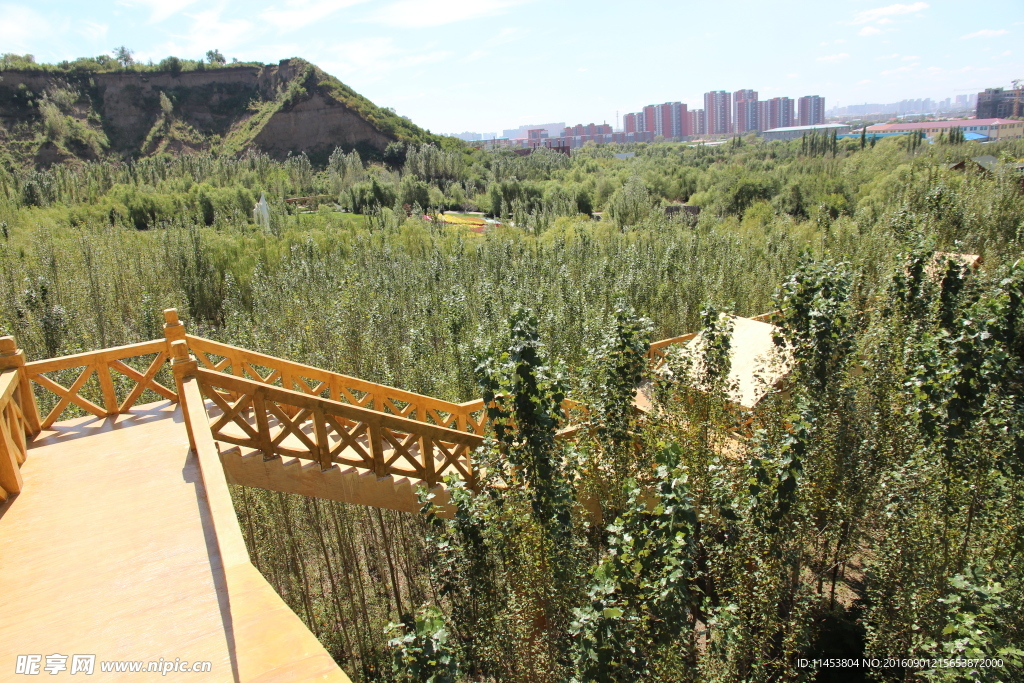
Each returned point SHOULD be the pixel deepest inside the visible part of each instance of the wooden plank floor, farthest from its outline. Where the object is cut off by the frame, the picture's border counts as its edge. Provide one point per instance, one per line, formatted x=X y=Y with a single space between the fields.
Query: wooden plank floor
x=109 y=550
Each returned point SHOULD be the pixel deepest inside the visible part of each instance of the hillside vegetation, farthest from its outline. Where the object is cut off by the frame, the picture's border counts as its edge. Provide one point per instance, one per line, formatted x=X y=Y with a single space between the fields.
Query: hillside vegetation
x=876 y=509
x=93 y=109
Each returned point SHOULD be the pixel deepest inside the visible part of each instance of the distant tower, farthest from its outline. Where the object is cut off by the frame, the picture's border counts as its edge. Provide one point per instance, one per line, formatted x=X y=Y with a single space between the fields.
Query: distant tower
x=718 y=112
x=745 y=111
x=811 y=110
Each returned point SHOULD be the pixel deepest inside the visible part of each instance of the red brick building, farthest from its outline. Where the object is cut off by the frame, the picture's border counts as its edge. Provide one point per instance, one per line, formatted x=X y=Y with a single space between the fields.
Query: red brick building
x=811 y=110
x=775 y=113
x=745 y=111
x=718 y=112
x=698 y=123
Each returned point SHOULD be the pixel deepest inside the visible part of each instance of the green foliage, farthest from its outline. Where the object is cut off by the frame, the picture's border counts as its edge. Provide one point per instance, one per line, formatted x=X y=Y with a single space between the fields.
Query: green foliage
x=618 y=367
x=421 y=650
x=871 y=505
x=523 y=395
x=642 y=598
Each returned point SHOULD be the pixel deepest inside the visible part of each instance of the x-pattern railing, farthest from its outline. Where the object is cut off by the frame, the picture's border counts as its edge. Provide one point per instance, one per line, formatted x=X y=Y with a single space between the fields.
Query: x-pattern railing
x=284 y=422
x=319 y=428
x=259 y=367
x=101 y=364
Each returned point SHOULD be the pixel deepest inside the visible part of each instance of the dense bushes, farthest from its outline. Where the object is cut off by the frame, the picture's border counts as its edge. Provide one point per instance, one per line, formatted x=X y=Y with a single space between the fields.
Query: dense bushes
x=876 y=511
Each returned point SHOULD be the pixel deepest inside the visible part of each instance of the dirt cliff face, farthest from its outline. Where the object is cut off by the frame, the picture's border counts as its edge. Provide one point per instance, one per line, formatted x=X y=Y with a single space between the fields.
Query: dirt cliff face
x=317 y=125
x=214 y=103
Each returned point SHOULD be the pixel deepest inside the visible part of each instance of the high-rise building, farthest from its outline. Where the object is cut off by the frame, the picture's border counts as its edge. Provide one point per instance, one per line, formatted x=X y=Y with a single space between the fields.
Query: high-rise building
x=775 y=113
x=745 y=111
x=698 y=123
x=670 y=119
x=764 y=114
x=648 y=114
x=996 y=103
x=811 y=110
x=589 y=129
x=629 y=123
x=718 y=112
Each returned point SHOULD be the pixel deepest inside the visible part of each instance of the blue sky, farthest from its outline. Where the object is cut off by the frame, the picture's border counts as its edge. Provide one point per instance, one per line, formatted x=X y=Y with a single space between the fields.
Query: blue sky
x=485 y=65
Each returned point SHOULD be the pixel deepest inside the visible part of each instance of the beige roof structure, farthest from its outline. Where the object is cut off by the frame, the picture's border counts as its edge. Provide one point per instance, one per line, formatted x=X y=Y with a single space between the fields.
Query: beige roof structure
x=758 y=365
x=937 y=265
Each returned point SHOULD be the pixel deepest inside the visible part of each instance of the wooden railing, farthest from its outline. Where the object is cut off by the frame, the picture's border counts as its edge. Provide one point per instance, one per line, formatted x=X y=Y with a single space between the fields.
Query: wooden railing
x=284 y=422
x=102 y=364
x=315 y=414
x=13 y=444
x=658 y=351
x=272 y=371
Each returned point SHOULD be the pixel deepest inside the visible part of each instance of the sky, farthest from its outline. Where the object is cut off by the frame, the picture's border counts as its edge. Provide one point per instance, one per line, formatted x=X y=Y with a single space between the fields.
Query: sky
x=487 y=65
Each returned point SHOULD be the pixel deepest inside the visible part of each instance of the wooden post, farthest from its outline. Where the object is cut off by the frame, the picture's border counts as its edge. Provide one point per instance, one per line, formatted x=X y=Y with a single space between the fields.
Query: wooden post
x=323 y=444
x=107 y=387
x=173 y=329
x=259 y=406
x=380 y=467
x=184 y=367
x=429 y=466
x=13 y=357
x=10 y=473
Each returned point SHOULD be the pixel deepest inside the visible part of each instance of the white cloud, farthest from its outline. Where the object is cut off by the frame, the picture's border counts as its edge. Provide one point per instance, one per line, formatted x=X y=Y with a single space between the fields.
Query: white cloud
x=207 y=31
x=834 y=58
x=910 y=58
x=428 y=13
x=299 y=13
x=985 y=33
x=159 y=10
x=18 y=25
x=864 y=82
x=374 y=57
x=95 y=32
x=881 y=14
x=902 y=69
x=869 y=31
x=894 y=55
x=1007 y=53
x=792 y=75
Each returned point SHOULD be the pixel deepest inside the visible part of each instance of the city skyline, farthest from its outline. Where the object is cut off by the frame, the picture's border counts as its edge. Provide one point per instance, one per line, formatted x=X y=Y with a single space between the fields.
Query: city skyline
x=748 y=113
x=487 y=65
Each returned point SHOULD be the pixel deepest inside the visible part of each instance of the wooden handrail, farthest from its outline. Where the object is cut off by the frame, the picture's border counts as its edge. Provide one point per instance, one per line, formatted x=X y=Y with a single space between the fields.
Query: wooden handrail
x=13 y=443
x=331 y=432
x=342 y=388
x=101 y=363
x=250 y=598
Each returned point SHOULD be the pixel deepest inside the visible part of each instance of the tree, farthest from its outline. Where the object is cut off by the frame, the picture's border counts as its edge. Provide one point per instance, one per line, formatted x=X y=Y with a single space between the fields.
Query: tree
x=215 y=57
x=124 y=56
x=172 y=64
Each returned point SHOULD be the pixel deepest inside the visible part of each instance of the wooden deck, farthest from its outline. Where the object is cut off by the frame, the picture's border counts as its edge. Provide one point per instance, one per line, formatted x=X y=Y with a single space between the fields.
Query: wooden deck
x=112 y=549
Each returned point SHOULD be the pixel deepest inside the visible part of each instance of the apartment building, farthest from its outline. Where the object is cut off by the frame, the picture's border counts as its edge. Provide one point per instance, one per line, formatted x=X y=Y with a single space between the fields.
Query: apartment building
x=775 y=113
x=745 y=112
x=997 y=103
x=718 y=112
x=811 y=110
x=589 y=129
x=698 y=122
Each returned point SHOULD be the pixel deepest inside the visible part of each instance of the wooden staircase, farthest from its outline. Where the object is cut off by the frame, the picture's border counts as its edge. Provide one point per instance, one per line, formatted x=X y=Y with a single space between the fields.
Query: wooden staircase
x=250 y=419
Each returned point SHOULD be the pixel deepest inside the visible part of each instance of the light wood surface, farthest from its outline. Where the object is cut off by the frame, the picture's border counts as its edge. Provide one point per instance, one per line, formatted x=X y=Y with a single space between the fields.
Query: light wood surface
x=116 y=547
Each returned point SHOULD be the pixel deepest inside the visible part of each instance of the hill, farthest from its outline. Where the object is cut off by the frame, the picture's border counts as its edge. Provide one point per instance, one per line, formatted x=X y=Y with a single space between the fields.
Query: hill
x=86 y=111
